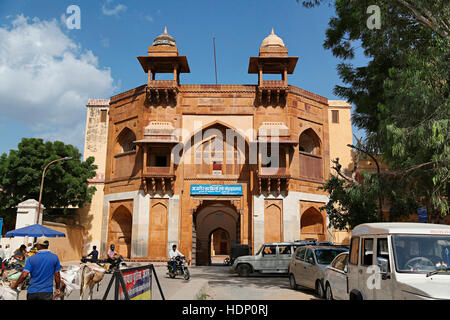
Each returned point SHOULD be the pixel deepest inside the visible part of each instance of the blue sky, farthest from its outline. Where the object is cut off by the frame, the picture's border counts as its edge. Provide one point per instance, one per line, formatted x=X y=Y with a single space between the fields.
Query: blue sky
x=52 y=70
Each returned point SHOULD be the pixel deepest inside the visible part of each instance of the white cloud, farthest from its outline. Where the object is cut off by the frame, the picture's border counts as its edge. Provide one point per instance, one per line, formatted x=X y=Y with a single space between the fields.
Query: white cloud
x=112 y=11
x=46 y=79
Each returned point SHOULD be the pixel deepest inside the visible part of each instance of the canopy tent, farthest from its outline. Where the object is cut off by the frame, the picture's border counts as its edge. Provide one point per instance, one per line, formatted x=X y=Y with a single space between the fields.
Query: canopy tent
x=35 y=230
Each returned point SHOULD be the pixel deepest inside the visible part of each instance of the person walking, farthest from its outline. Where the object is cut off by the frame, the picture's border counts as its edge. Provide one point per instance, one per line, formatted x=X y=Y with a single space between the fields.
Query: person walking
x=43 y=267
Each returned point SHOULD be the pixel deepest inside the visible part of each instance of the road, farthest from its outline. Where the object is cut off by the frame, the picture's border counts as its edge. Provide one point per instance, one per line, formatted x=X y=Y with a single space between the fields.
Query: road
x=211 y=283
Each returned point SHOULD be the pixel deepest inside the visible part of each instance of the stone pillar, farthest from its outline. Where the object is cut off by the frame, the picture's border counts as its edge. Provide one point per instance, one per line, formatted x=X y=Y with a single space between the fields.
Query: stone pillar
x=173 y=221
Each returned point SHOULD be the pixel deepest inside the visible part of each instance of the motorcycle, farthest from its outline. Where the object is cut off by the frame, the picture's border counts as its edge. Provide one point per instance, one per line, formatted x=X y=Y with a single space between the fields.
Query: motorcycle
x=227 y=261
x=181 y=268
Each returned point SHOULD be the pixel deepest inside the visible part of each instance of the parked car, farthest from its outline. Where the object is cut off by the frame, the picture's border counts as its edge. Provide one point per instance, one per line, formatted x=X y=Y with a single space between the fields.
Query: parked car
x=335 y=279
x=270 y=258
x=413 y=261
x=308 y=264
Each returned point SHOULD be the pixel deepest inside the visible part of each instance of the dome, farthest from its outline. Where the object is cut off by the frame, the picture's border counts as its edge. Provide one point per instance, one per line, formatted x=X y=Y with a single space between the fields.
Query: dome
x=164 y=39
x=272 y=40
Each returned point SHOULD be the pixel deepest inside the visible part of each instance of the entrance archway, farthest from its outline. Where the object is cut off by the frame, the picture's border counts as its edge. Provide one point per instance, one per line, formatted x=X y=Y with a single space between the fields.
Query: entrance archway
x=216 y=225
x=312 y=225
x=119 y=232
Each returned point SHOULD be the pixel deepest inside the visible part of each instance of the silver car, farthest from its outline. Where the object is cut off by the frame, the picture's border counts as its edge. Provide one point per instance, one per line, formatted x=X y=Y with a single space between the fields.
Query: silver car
x=308 y=265
x=270 y=258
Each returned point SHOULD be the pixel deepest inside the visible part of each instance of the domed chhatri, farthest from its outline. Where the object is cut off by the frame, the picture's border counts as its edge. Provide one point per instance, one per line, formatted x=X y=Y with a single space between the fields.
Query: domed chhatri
x=273 y=46
x=272 y=40
x=164 y=39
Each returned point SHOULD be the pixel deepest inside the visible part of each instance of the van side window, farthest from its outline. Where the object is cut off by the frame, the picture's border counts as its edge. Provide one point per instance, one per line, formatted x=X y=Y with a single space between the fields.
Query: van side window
x=354 y=250
x=300 y=255
x=382 y=250
x=367 y=252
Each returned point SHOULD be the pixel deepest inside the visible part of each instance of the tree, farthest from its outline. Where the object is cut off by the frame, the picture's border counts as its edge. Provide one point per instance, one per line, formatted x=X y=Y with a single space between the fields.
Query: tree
x=401 y=97
x=65 y=181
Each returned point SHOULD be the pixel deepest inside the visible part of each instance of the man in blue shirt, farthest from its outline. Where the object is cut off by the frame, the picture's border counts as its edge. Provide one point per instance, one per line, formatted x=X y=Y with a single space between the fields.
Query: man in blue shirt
x=43 y=267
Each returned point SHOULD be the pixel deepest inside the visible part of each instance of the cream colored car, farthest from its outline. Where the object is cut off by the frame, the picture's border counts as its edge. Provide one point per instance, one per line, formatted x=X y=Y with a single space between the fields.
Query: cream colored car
x=308 y=264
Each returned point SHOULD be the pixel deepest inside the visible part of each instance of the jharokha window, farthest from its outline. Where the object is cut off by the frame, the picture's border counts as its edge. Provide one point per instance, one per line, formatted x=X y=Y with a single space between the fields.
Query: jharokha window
x=310 y=154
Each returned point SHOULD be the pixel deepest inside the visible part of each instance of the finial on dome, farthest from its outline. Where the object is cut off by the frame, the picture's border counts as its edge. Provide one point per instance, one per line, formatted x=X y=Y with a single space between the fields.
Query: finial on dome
x=164 y=39
x=272 y=40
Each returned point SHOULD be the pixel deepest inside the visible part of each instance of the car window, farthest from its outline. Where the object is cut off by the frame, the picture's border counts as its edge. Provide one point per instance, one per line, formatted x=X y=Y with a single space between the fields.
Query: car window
x=300 y=255
x=339 y=262
x=309 y=254
x=354 y=251
x=284 y=249
x=326 y=256
x=270 y=250
x=367 y=252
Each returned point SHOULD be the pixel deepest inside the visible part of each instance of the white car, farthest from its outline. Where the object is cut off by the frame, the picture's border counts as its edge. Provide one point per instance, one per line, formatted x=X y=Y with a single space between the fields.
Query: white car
x=395 y=261
x=335 y=279
x=270 y=258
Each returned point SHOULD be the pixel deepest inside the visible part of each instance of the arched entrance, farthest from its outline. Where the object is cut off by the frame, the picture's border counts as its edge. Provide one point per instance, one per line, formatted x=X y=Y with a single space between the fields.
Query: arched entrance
x=119 y=232
x=312 y=225
x=216 y=226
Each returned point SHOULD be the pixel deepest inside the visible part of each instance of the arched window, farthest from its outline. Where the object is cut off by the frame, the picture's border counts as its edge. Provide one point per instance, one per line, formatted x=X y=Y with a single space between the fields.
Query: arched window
x=215 y=155
x=310 y=154
x=125 y=141
x=309 y=142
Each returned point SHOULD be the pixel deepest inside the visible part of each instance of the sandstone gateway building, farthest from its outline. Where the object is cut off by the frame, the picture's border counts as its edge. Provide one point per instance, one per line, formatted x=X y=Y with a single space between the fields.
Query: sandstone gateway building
x=205 y=166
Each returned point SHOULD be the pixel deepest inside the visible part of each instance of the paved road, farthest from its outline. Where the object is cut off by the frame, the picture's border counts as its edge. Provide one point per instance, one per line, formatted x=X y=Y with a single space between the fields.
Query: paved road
x=211 y=283
x=225 y=286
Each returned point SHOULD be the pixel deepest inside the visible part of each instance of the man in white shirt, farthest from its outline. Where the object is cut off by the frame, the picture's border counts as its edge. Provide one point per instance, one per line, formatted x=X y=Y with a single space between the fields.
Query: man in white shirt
x=172 y=255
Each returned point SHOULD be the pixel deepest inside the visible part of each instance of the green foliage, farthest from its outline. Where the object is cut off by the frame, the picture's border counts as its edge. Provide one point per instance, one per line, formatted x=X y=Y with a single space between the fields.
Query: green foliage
x=65 y=182
x=350 y=205
x=401 y=98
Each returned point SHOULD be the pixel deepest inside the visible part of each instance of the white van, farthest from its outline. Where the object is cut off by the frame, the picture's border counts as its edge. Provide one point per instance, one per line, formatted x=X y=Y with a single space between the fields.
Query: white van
x=394 y=261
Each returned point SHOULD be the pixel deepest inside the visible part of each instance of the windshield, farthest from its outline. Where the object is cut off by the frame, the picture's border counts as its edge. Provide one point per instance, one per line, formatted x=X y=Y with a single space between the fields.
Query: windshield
x=421 y=253
x=259 y=251
x=326 y=256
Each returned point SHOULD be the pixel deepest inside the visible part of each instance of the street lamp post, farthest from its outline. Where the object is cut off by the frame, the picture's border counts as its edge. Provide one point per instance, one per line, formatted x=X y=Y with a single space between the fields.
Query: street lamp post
x=42 y=184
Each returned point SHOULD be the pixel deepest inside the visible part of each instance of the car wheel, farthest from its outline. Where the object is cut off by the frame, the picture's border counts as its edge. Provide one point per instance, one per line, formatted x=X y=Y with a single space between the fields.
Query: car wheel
x=328 y=293
x=243 y=270
x=319 y=289
x=292 y=282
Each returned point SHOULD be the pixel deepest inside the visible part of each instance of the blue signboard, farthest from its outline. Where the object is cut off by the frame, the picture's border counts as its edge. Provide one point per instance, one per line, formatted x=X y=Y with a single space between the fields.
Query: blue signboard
x=215 y=190
x=423 y=214
x=1 y=226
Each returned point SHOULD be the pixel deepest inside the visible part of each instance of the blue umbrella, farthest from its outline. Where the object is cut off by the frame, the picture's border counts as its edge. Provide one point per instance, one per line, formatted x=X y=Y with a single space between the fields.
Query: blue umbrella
x=35 y=230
